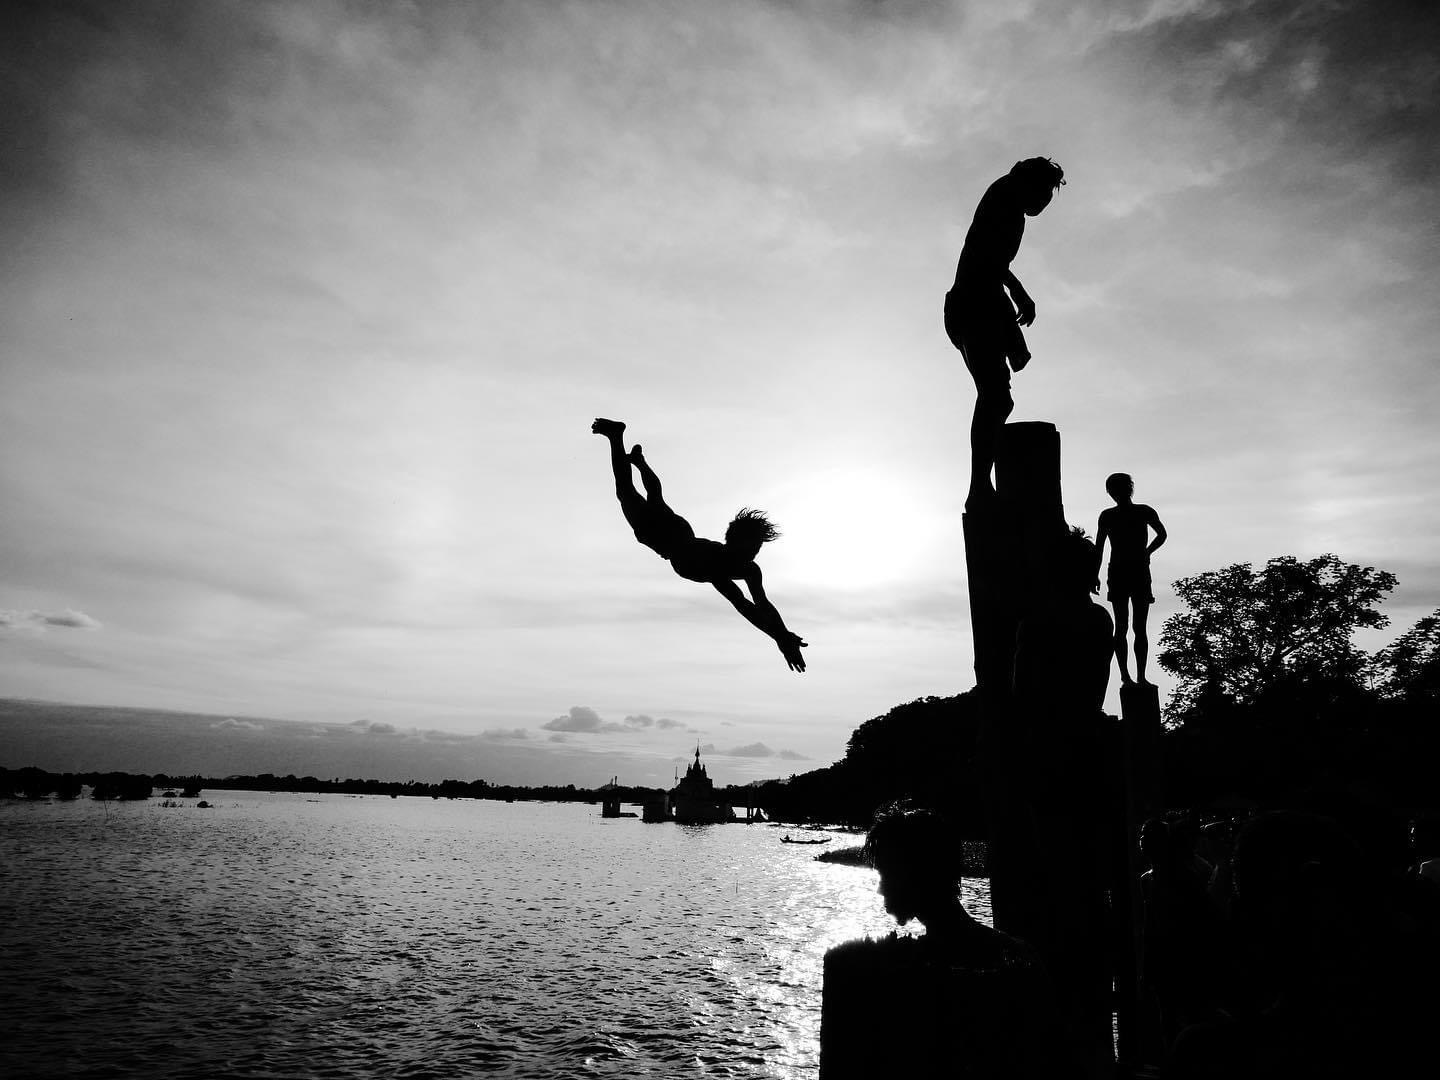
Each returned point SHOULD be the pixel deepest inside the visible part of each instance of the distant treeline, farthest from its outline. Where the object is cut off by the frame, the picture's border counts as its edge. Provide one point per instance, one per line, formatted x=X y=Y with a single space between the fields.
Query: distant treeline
x=1299 y=736
x=923 y=750
x=34 y=783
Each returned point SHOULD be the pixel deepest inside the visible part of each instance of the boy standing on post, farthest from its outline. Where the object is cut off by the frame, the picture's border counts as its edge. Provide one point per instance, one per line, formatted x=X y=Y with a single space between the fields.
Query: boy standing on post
x=980 y=319
x=1127 y=526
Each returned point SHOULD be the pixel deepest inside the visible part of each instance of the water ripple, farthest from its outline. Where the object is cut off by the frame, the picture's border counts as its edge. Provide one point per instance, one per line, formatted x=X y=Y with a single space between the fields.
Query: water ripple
x=340 y=937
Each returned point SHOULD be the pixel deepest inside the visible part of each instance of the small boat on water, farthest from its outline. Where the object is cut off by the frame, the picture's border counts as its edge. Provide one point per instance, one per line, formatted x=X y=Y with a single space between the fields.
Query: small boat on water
x=788 y=839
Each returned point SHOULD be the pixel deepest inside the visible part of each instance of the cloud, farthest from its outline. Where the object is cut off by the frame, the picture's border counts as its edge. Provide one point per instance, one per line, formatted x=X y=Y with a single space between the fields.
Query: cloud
x=231 y=724
x=505 y=733
x=583 y=720
x=666 y=724
x=370 y=727
x=754 y=749
x=70 y=618
x=434 y=735
x=580 y=718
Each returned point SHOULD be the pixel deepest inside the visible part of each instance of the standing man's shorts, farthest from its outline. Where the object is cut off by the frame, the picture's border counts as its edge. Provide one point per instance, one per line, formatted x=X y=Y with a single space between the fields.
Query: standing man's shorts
x=1129 y=581
x=984 y=329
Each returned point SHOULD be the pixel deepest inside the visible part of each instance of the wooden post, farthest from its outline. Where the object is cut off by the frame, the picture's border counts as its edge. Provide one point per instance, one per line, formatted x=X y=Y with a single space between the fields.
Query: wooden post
x=1141 y=779
x=1006 y=561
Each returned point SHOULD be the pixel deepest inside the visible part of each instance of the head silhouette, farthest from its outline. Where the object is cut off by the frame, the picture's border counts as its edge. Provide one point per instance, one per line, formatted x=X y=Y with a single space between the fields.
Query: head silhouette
x=1039 y=178
x=1119 y=486
x=918 y=859
x=749 y=530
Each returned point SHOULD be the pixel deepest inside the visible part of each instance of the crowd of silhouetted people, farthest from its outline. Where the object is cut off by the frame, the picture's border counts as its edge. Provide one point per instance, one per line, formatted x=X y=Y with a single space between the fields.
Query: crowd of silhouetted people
x=1300 y=942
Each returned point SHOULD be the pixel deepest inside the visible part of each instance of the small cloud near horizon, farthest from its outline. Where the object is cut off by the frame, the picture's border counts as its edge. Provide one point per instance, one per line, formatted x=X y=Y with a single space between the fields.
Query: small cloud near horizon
x=69 y=618
x=751 y=750
x=583 y=720
x=231 y=724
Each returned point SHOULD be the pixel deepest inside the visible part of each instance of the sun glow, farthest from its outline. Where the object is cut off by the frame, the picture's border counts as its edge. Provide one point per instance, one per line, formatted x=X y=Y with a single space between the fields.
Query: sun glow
x=855 y=528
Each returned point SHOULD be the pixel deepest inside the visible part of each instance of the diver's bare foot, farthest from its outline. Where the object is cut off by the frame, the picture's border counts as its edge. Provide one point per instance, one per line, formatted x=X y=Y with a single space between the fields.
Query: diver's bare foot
x=609 y=428
x=637 y=455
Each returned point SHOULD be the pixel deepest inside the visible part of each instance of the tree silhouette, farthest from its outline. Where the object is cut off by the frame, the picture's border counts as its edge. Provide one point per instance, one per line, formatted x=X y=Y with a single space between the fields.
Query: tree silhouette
x=1409 y=667
x=1248 y=630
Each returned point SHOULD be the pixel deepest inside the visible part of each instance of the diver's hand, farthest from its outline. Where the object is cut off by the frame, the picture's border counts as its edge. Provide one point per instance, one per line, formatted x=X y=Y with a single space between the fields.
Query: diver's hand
x=1024 y=309
x=790 y=647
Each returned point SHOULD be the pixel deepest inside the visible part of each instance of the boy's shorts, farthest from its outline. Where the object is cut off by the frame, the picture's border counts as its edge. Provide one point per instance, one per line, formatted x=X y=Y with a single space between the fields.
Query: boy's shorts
x=1129 y=582
x=662 y=530
x=984 y=329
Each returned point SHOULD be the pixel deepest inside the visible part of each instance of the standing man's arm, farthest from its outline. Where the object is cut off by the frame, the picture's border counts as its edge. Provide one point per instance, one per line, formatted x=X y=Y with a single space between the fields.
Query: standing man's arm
x=1160 y=534
x=1100 y=536
x=1024 y=306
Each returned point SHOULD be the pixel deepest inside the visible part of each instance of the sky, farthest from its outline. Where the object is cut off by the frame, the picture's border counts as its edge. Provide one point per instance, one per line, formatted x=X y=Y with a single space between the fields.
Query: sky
x=306 y=310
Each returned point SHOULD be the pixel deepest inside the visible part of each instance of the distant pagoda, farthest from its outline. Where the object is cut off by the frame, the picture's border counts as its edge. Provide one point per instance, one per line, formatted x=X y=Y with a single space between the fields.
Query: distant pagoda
x=694 y=798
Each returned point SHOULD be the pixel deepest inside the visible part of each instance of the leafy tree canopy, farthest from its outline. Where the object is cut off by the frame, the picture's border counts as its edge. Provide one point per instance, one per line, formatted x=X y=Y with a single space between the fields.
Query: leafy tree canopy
x=1248 y=630
x=1409 y=667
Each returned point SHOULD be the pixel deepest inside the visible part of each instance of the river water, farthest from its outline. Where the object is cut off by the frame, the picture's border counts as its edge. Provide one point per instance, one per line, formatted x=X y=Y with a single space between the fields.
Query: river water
x=280 y=935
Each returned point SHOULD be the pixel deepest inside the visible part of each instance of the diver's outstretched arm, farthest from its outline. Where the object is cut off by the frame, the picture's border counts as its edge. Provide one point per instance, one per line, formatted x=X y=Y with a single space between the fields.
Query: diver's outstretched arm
x=761 y=614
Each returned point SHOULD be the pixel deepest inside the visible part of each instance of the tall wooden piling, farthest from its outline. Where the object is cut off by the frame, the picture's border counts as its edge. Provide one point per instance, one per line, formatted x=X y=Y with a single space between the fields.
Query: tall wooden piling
x=1007 y=564
x=1050 y=762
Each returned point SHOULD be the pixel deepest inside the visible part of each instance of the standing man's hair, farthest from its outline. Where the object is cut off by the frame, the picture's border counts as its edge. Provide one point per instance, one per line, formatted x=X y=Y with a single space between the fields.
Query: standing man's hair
x=1119 y=483
x=1040 y=170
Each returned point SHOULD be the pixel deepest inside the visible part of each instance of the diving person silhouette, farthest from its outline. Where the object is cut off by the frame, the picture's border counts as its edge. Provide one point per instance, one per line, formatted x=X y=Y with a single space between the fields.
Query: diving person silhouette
x=694 y=558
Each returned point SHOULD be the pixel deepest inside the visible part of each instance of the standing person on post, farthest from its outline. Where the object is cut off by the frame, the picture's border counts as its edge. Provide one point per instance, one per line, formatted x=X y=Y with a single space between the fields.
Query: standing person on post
x=1127 y=526
x=980 y=319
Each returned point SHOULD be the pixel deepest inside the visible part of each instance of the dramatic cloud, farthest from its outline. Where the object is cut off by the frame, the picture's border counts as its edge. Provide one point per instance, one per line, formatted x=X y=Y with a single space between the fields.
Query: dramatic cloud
x=216 y=214
x=380 y=729
x=505 y=733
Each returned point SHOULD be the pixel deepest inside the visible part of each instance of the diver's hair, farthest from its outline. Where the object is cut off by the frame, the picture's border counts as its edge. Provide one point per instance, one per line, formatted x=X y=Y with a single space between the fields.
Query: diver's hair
x=1040 y=170
x=1119 y=483
x=750 y=525
x=915 y=841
